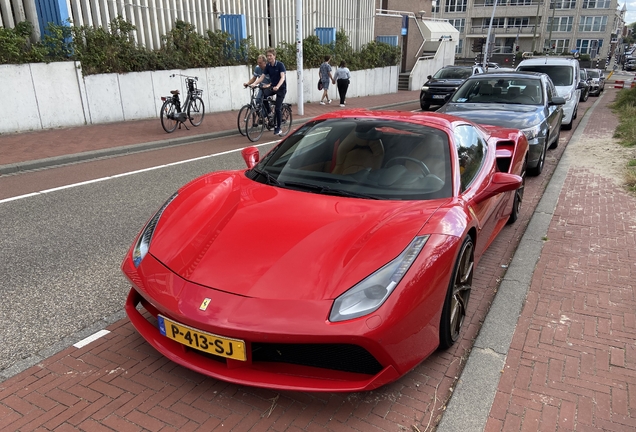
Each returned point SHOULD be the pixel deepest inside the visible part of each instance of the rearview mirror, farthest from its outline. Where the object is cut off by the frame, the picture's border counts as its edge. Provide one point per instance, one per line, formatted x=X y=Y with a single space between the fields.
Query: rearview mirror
x=557 y=100
x=501 y=182
x=250 y=156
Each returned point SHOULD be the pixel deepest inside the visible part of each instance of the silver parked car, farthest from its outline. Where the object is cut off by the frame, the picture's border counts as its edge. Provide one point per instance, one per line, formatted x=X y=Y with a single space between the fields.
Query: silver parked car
x=521 y=100
x=597 y=81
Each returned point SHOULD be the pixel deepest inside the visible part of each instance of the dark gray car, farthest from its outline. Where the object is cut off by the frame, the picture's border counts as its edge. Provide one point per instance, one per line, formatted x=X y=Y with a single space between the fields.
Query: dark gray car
x=521 y=100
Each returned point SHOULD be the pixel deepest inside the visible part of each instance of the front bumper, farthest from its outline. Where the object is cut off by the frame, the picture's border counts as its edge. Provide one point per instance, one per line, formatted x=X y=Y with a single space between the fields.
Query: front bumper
x=535 y=147
x=290 y=345
x=569 y=108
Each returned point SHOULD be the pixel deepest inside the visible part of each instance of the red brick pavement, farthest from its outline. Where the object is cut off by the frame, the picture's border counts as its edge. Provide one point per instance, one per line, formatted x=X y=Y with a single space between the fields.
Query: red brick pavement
x=120 y=383
x=572 y=362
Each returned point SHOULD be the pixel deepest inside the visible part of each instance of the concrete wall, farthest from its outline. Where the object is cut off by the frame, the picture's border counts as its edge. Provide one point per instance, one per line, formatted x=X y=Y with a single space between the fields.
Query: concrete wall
x=57 y=95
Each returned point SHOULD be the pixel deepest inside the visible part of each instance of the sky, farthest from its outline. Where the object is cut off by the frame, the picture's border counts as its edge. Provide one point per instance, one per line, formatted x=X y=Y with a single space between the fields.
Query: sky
x=630 y=17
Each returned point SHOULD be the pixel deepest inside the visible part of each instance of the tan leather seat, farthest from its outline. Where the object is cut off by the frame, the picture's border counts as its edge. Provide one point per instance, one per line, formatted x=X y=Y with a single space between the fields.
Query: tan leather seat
x=355 y=154
x=513 y=92
x=431 y=152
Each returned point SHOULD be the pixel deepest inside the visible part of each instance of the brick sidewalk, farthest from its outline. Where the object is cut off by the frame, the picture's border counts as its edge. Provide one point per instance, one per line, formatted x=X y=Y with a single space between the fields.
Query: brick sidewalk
x=572 y=362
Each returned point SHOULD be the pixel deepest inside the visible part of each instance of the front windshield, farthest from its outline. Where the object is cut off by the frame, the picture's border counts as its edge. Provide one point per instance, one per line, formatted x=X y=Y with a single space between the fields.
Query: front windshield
x=453 y=73
x=361 y=158
x=497 y=90
x=560 y=75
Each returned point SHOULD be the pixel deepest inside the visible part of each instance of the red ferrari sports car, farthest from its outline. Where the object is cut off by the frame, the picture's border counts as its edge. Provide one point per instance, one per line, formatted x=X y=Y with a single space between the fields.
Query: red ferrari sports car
x=337 y=262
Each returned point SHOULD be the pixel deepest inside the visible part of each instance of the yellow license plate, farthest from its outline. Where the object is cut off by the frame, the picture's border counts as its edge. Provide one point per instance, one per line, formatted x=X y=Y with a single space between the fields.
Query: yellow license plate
x=202 y=341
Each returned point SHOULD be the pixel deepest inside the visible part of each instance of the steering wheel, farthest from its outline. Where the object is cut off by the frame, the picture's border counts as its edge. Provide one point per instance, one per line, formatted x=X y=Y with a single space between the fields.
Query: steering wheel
x=421 y=165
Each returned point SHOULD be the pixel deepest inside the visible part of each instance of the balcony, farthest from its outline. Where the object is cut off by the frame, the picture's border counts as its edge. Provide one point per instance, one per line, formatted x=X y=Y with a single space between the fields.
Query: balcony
x=523 y=31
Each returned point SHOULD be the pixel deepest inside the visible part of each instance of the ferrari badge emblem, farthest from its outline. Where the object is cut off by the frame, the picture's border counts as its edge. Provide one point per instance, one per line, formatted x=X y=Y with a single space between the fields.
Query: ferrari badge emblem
x=205 y=304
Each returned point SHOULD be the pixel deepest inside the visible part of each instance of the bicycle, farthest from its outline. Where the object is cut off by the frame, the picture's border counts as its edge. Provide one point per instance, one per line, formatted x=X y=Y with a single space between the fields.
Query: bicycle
x=193 y=109
x=257 y=119
x=245 y=109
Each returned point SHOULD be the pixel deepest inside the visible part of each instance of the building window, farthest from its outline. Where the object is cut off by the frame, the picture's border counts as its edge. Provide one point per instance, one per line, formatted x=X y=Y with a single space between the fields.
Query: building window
x=589 y=46
x=593 y=23
x=435 y=8
x=459 y=47
x=596 y=4
x=455 y=6
x=496 y=23
x=563 y=4
x=518 y=22
x=458 y=23
x=560 y=24
x=520 y=2
x=560 y=45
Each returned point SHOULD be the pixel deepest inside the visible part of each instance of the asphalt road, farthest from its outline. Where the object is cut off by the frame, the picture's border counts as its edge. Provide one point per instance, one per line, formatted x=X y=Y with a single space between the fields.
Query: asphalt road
x=60 y=250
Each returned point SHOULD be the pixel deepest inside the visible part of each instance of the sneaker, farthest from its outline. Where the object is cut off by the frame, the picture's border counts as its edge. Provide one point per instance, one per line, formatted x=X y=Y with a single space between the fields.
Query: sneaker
x=277 y=132
x=329 y=101
x=322 y=103
x=342 y=105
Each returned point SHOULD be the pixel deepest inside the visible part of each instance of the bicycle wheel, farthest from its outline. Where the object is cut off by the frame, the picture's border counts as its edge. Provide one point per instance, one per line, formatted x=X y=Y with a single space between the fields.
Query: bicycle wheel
x=242 y=116
x=286 y=120
x=168 y=122
x=254 y=125
x=196 y=111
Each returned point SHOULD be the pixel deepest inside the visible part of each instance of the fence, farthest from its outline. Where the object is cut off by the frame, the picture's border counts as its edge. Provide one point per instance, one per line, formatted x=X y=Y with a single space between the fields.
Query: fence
x=76 y=100
x=268 y=22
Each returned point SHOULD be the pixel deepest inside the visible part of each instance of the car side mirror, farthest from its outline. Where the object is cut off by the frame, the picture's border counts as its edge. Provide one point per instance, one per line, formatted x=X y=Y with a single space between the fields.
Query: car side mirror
x=250 y=156
x=429 y=77
x=501 y=182
x=581 y=85
x=557 y=100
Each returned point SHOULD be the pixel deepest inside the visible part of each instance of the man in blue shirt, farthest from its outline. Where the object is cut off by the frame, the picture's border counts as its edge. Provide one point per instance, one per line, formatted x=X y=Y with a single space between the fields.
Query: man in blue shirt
x=276 y=71
x=258 y=71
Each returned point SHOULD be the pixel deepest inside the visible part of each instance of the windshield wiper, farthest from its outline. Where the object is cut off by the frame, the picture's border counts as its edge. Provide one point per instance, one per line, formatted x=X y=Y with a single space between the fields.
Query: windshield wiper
x=326 y=190
x=269 y=179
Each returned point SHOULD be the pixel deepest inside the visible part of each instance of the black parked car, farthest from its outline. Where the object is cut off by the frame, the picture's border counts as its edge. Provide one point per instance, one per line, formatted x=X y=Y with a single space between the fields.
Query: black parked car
x=521 y=100
x=584 y=83
x=440 y=86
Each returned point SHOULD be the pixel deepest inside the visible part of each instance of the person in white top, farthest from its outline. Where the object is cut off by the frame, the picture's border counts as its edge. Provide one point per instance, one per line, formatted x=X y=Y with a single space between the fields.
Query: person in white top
x=342 y=77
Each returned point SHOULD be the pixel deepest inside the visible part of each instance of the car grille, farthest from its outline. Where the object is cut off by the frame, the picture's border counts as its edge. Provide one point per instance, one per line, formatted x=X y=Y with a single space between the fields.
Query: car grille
x=340 y=357
x=441 y=90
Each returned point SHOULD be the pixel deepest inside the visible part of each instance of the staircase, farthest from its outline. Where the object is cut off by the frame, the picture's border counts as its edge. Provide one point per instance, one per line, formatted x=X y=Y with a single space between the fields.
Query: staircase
x=403 y=81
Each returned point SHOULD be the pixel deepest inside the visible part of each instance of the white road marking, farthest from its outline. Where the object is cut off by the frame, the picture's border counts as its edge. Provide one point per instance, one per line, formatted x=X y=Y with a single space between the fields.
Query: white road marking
x=2 y=201
x=91 y=338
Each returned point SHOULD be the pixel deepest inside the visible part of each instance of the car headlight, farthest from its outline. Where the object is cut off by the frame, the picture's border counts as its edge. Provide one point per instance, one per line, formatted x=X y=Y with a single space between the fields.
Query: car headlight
x=424 y=88
x=533 y=132
x=143 y=242
x=369 y=294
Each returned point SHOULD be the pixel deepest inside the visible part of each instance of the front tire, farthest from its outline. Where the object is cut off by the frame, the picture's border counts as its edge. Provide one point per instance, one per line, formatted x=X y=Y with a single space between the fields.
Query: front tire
x=196 y=111
x=539 y=168
x=516 y=203
x=253 y=127
x=168 y=122
x=456 y=303
x=242 y=116
x=286 y=119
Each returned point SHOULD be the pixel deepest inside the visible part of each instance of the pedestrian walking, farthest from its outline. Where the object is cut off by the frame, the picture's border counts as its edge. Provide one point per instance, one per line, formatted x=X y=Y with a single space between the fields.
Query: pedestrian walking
x=325 y=78
x=343 y=79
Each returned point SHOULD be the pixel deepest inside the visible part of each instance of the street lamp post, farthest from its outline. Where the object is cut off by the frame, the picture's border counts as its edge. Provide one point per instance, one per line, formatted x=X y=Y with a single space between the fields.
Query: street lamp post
x=492 y=17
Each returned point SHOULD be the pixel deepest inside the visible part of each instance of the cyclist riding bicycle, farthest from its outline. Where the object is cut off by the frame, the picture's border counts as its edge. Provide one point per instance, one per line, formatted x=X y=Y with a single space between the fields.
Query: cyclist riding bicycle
x=258 y=71
x=276 y=71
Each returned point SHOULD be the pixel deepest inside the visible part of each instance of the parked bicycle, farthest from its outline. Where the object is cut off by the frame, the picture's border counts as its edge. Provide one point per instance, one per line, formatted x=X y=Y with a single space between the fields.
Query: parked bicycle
x=173 y=114
x=257 y=119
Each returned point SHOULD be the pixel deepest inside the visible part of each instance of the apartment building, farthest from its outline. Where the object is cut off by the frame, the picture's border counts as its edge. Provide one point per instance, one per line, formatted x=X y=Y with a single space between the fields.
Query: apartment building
x=592 y=27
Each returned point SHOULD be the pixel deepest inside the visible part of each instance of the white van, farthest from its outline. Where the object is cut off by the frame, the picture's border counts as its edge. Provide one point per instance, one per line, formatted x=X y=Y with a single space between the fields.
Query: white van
x=564 y=73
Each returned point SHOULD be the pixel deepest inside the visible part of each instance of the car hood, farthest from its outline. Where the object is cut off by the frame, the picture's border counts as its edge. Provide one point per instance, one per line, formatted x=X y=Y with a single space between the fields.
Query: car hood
x=506 y=115
x=227 y=232
x=564 y=91
x=444 y=82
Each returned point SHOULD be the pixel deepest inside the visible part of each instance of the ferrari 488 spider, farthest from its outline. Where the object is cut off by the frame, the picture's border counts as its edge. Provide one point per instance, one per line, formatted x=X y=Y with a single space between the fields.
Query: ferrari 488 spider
x=338 y=261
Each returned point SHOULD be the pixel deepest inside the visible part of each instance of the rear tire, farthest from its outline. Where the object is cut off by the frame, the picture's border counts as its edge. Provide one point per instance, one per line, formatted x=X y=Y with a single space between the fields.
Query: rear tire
x=457 y=296
x=196 y=111
x=516 y=203
x=254 y=125
x=242 y=116
x=168 y=122
x=286 y=119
